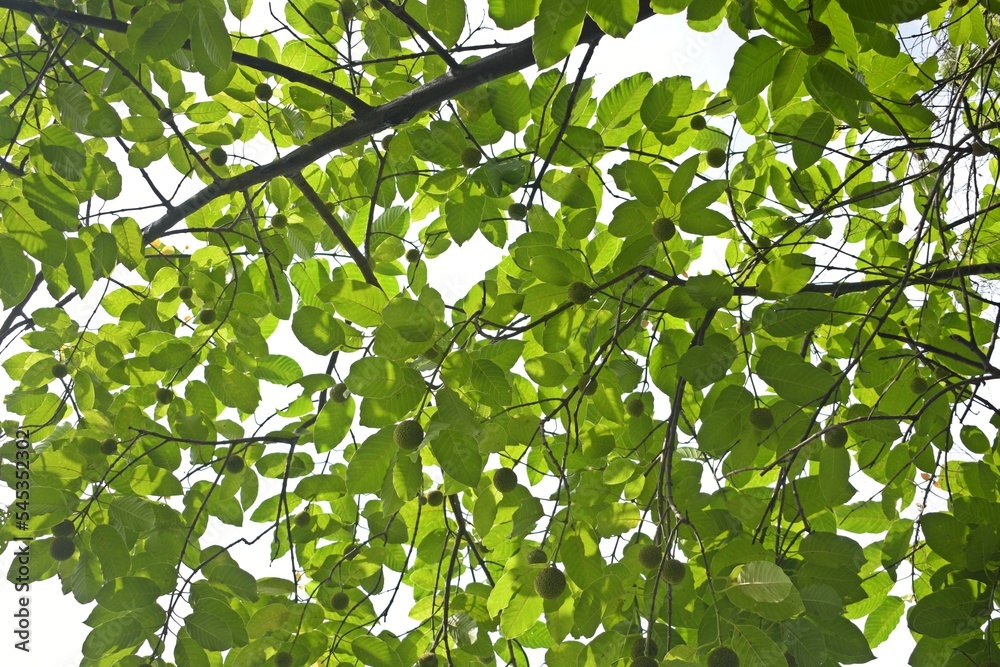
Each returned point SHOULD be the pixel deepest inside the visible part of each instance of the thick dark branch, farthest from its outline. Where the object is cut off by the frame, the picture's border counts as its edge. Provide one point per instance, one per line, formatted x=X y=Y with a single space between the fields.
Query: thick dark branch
x=338 y=230
x=398 y=111
x=260 y=64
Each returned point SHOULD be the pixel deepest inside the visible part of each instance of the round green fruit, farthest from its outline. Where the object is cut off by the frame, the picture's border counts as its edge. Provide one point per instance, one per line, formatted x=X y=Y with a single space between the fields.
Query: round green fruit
x=821 y=36
x=165 y=114
x=339 y=601
x=550 y=583
x=185 y=292
x=164 y=395
x=664 y=229
x=279 y=221
x=674 y=571
x=763 y=243
x=919 y=385
x=715 y=157
x=235 y=465
x=896 y=226
x=587 y=385
x=537 y=557
x=263 y=92
x=505 y=480
x=645 y=661
x=698 y=122
x=62 y=548
x=207 y=316
x=427 y=660
x=64 y=528
x=762 y=419
x=217 y=156
x=517 y=211
x=579 y=293
x=435 y=498
x=302 y=519
x=46 y=23
x=723 y=656
x=836 y=437
x=408 y=435
x=635 y=406
x=412 y=255
x=59 y=370
x=638 y=649
x=649 y=556
x=471 y=157
x=338 y=394
x=109 y=446
x=282 y=659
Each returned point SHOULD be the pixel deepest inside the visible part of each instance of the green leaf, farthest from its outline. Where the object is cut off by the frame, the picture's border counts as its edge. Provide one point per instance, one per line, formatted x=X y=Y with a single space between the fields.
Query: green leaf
x=753 y=68
x=755 y=648
x=317 y=330
x=162 y=37
x=881 y=622
x=638 y=179
x=762 y=581
x=888 y=11
x=776 y=17
x=211 y=45
x=410 y=319
x=811 y=139
x=615 y=17
x=513 y=13
x=374 y=652
x=209 y=631
x=785 y=275
x=370 y=463
x=446 y=19
x=945 y=535
x=458 y=454
x=667 y=99
x=16 y=272
x=557 y=30
x=356 y=301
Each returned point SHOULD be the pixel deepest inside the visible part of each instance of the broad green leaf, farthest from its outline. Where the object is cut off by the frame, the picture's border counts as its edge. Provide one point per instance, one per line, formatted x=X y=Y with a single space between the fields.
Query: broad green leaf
x=557 y=29
x=447 y=19
x=753 y=68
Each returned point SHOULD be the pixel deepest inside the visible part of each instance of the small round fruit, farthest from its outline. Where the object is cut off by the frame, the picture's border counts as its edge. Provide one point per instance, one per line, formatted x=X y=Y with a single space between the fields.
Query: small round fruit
x=762 y=419
x=339 y=393
x=896 y=226
x=979 y=149
x=263 y=92
x=165 y=114
x=412 y=255
x=517 y=211
x=386 y=141
x=788 y=223
x=763 y=243
x=723 y=656
x=235 y=465
x=207 y=316
x=919 y=385
x=339 y=601
x=828 y=366
x=821 y=36
x=715 y=157
x=46 y=23
x=279 y=221
x=698 y=122
x=645 y=661
x=164 y=395
x=427 y=660
x=537 y=557
x=587 y=385
x=217 y=156
x=550 y=583
x=836 y=437
x=578 y=293
x=505 y=480
x=649 y=556
x=302 y=519
x=109 y=446
x=408 y=435
x=185 y=292
x=59 y=370
x=435 y=498
x=62 y=548
x=664 y=229
x=471 y=157
x=635 y=407
x=674 y=571
x=638 y=649
x=942 y=373
x=282 y=659
x=64 y=528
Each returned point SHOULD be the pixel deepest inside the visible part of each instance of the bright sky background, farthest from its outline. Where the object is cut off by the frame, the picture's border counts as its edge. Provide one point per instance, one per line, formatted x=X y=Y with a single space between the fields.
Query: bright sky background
x=660 y=45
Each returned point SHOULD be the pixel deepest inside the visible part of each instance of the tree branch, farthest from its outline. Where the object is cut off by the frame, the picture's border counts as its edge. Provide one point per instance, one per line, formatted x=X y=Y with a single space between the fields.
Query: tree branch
x=338 y=230
x=260 y=64
x=398 y=111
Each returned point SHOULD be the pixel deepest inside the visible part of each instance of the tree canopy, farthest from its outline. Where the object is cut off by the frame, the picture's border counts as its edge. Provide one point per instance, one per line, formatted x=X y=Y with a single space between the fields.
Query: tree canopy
x=722 y=401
